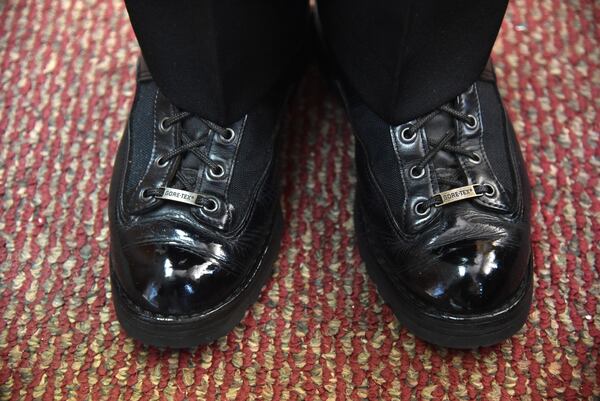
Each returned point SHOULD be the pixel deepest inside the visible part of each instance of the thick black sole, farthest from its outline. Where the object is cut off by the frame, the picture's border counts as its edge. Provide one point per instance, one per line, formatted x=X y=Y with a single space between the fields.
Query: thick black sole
x=193 y=330
x=451 y=331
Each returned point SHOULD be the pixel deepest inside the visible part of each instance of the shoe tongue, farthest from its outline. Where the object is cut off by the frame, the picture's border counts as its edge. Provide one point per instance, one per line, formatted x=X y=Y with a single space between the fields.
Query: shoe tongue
x=194 y=129
x=446 y=164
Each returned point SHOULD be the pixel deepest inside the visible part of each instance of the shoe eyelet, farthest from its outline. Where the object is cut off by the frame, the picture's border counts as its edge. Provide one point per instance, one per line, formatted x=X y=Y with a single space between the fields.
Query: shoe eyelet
x=162 y=127
x=211 y=206
x=144 y=197
x=420 y=209
x=228 y=136
x=160 y=162
x=474 y=122
x=490 y=191
x=404 y=137
x=414 y=175
x=217 y=172
x=475 y=159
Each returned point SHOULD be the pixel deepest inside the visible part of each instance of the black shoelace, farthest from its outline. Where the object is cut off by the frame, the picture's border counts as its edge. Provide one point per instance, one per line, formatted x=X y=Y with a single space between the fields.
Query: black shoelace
x=190 y=145
x=418 y=170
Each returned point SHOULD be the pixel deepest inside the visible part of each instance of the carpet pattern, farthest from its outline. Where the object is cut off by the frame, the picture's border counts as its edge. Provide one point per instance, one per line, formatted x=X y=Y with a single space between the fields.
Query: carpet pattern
x=319 y=330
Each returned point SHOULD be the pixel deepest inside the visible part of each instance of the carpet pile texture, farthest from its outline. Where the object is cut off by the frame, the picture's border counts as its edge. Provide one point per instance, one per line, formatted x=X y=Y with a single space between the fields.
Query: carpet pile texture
x=319 y=330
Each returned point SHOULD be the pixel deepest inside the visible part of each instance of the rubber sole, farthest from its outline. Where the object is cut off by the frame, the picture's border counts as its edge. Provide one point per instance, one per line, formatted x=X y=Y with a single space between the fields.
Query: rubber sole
x=193 y=330
x=451 y=331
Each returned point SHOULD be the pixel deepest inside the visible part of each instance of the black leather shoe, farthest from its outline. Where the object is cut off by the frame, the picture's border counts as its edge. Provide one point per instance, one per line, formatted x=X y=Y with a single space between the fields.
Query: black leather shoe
x=442 y=217
x=194 y=217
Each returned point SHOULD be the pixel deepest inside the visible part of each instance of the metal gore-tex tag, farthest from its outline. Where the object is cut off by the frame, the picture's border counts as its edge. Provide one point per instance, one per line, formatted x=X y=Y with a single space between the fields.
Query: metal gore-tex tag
x=457 y=194
x=179 y=195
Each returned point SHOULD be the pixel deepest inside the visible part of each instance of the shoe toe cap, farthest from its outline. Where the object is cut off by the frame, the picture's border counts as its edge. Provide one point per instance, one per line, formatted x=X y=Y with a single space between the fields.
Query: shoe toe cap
x=472 y=276
x=172 y=279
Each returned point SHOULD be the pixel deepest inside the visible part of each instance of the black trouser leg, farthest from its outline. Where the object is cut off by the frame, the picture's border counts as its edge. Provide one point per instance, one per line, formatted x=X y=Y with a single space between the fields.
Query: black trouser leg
x=217 y=58
x=406 y=57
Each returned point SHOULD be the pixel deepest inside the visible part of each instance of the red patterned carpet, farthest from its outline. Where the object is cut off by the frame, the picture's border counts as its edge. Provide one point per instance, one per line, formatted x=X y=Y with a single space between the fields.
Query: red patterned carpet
x=319 y=330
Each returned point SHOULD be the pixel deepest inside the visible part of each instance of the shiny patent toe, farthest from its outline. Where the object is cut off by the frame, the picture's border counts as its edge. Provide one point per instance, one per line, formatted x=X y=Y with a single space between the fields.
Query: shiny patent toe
x=173 y=280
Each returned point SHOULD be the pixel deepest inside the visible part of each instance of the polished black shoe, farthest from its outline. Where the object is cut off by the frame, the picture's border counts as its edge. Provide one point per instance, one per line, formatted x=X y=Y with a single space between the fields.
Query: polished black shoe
x=195 y=219
x=442 y=217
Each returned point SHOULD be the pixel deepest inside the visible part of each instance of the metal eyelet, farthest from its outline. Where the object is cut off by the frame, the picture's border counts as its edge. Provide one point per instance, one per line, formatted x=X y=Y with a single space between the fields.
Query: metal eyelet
x=407 y=138
x=474 y=122
x=475 y=158
x=211 y=206
x=162 y=127
x=228 y=136
x=420 y=208
x=160 y=162
x=490 y=191
x=217 y=172
x=144 y=197
x=414 y=175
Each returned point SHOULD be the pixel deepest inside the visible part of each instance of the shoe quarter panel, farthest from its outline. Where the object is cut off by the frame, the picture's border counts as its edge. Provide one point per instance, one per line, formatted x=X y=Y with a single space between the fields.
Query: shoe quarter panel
x=162 y=142
x=224 y=153
x=472 y=140
x=418 y=188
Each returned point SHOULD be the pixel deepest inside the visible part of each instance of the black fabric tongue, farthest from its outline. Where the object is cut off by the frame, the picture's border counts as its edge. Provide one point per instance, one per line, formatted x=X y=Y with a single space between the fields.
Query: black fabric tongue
x=191 y=166
x=446 y=164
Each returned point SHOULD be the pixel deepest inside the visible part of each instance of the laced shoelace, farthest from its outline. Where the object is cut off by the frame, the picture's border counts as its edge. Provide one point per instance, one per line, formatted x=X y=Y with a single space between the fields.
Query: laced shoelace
x=190 y=145
x=418 y=170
